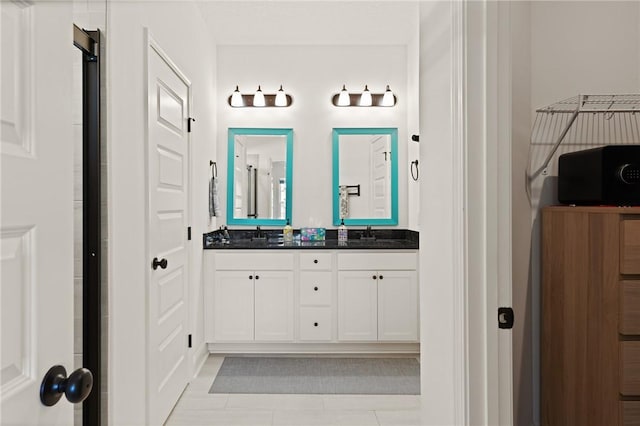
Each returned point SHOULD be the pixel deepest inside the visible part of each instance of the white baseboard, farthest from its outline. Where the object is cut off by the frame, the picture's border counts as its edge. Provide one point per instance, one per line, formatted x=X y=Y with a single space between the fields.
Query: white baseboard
x=199 y=357
x=315 y=348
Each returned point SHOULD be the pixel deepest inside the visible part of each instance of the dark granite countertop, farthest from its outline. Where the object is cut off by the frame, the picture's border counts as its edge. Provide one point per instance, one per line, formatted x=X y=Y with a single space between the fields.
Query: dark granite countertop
x=384 y=239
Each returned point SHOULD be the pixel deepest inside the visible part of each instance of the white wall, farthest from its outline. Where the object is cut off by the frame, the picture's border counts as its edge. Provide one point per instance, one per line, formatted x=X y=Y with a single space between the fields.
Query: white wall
x=181 y=32
x=312 y=75
x=560 y=50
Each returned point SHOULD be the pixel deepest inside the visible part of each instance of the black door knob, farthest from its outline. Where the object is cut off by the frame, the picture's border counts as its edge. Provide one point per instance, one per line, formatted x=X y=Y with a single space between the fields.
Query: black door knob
x=161 y=263
x=76 y=387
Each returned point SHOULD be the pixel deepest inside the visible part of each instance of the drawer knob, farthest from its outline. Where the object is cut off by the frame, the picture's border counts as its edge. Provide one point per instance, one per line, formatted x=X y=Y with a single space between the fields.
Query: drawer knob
x=315 y=289
x=315 y=260
x=315 y=324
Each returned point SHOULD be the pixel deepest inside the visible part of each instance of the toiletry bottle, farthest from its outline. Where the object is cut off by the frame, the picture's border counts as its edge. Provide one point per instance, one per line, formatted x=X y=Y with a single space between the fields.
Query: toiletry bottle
x=342 y=232
x=287 y=233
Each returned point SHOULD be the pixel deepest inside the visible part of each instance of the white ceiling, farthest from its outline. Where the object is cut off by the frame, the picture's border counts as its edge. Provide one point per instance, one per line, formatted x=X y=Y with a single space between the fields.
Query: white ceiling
x=308 y=22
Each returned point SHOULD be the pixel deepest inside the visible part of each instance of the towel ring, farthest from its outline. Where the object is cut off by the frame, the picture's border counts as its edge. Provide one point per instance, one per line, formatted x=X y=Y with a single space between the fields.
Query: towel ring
x=417 y=173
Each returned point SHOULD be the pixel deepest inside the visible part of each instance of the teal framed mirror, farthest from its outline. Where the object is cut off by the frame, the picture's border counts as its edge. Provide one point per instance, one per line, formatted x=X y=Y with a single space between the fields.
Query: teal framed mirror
x=365 y=176
x=259 y=176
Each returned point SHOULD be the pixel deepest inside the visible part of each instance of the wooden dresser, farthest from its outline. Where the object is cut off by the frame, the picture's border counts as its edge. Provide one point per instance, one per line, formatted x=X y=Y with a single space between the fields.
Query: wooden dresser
x=590 y=344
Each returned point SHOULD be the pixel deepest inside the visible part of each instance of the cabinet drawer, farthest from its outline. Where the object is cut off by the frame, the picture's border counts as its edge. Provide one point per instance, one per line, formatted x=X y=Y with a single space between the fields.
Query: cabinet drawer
x=254 y=261
x=377 y=261
x=630 y=413
x=315 y=288
x=630 y=307
x=316 y=261
x=630 y=247
x=315 y=323
x=630 y=368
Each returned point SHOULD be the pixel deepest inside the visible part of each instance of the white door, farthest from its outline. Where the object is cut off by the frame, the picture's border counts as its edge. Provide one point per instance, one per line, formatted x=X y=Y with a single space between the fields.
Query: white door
x=380 y=157
x=273 y=305
x=36 y=228
x=168 y=167
x=397 y=305
x=357 y=305
x=233 y=306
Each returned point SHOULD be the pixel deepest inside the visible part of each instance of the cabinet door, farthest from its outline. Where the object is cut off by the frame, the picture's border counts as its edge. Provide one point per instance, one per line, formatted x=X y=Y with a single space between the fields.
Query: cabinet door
x=233 y=302
x=274 y=305
x=397 y=305
x=357 y=305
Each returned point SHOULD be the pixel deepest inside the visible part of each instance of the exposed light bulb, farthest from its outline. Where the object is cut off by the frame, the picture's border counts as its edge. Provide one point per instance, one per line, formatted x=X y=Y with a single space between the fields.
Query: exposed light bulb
x=281 y=98
x=343 y=97
x=365 y=98
x=388 y=98
x=258 y=98
x=236 y=98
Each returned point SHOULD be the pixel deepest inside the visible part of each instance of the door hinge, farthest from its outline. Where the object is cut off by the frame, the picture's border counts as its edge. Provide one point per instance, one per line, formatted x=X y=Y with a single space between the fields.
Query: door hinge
x=189 y=120
x=505 y=318
x=189 y=341
x=189 y=233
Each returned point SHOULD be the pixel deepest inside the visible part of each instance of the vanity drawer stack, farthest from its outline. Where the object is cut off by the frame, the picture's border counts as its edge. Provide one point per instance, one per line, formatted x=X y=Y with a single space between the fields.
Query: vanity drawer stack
x=590 y=345
x=316 y=296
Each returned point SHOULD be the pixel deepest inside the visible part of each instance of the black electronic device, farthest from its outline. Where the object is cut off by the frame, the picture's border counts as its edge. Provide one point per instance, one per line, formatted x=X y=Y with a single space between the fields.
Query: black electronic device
x=609 y=175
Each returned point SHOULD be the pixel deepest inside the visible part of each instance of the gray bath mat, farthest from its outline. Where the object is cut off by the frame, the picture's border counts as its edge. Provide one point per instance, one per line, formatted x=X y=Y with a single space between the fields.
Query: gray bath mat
x=372 y=376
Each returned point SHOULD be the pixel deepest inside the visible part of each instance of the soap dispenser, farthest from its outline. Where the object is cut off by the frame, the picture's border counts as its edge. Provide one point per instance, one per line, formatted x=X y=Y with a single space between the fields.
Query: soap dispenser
x=343 y=234
x=287 y=233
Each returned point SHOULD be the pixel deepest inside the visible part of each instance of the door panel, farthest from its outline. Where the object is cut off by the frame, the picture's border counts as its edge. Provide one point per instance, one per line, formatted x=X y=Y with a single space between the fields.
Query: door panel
x=397 y=306
x=168 y=165
x=273 y=305
x=357 y=305
x=36 y=229
x=233 y=306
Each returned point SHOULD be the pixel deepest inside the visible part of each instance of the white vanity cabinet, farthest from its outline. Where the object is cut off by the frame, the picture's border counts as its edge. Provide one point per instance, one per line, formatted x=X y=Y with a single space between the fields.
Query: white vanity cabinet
x=377 y=297
x=316 y=296
x=253 y=297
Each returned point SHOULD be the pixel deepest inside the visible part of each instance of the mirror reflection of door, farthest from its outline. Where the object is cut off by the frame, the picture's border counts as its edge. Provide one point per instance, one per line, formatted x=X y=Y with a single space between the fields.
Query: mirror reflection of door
x=380 y=157
x=241 y=179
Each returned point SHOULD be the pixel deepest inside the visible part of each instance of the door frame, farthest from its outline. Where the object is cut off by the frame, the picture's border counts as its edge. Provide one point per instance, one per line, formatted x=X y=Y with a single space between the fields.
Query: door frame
x=88 y=42
x=151 y=44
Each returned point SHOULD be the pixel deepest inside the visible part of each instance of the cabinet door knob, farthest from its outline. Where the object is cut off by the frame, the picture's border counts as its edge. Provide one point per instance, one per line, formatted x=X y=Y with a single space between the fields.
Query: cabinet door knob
x=315 y=324
x=250 y=277
x=381 y=277
x=373 y=277
x=315 y=289
x=257 y=277
x=315 y=260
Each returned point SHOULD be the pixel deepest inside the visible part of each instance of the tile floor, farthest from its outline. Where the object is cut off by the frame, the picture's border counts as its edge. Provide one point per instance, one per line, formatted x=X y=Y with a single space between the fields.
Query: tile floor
x=197 y=407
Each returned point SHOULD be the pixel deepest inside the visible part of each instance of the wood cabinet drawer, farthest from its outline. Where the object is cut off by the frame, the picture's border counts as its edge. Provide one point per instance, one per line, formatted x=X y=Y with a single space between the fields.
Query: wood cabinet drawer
x=630 y=368
x=630 y=413
x=316 y=261
x=254 y=261
x=315 y=323
x=630 y=307
x=630 y=247
x=316 y=288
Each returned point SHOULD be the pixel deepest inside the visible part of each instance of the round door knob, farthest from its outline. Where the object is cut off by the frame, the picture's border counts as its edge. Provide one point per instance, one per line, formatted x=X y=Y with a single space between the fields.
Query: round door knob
x=161 y=263
x=315 y=289
x=315 y=324
x=76 y=387
x=315 y=260
x=250 y=277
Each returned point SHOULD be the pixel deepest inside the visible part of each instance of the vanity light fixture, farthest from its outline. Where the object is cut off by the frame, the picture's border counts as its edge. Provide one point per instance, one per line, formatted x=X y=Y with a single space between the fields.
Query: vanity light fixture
x=259 y=99
x=236 y=98
x=281 y=98
x=364 y=99
x=343 y=97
